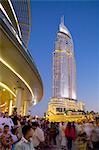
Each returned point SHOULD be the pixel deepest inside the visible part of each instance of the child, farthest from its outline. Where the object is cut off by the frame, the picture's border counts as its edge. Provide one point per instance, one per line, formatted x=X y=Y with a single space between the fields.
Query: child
x=6 y=139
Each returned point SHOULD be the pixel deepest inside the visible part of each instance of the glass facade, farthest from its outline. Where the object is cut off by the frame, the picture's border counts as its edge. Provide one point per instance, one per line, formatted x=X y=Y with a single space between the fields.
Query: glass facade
x=64 y=67
x=63 y=76
x=22 y=10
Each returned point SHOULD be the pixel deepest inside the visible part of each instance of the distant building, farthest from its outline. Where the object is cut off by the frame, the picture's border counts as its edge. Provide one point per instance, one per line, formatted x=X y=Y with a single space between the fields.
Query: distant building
x=64 y=74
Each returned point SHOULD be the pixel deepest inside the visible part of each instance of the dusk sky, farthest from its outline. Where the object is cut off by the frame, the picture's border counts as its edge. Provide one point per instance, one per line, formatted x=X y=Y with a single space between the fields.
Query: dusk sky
x=82 y=20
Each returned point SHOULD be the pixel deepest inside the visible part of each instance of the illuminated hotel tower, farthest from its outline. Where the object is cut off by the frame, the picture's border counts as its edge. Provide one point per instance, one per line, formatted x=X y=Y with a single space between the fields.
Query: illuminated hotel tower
x=64 y=66
x=64 y=75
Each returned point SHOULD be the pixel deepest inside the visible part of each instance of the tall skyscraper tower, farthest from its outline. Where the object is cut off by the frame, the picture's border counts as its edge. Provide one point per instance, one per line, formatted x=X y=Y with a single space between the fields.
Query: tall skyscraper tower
x=64 y=75
x=64 y=66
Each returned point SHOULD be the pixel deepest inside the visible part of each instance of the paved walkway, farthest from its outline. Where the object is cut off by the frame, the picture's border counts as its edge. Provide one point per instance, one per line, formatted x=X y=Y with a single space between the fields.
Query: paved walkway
x=58 y=148
x=53 y=148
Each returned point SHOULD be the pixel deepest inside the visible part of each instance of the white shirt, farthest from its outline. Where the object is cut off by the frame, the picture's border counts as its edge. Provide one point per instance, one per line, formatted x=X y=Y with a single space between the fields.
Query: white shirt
x=1 y=120
x=23 y=144
x=38 y=136
x=88 y=129
x=8 y=121
x=14 y=137
x=2 y=123
x=62 y=129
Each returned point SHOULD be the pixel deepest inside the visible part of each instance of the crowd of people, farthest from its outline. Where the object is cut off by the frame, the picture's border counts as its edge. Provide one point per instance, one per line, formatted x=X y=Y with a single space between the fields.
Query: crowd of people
x=32 y=133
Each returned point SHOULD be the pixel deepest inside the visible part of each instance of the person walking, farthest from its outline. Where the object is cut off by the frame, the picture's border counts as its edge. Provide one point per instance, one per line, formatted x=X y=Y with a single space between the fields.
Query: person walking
x=70 y=135
x=63 y=139
x=26 y=141
x=52 y=134
x=95 y=138
x=15 y=117
x=82 y=141
x=7 y=120
x=38 y=136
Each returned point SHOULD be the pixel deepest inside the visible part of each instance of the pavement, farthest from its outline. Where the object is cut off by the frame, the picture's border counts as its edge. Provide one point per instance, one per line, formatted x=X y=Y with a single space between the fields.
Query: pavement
x=59 y=148
x=53 y=148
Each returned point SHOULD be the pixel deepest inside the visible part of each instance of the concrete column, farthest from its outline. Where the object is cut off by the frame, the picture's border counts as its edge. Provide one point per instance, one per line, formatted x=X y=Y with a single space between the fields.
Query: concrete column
x=24 y=110
x=26 y=107
x=18 y=99
x=10 y=107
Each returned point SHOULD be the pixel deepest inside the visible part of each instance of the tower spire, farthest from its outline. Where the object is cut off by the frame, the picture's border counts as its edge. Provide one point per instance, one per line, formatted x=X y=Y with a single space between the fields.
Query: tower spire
x=62 y=19
x=62 y=27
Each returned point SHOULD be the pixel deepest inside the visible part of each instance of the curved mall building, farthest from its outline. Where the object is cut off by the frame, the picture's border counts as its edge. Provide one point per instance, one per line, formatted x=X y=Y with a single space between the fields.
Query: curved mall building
x=20 y=83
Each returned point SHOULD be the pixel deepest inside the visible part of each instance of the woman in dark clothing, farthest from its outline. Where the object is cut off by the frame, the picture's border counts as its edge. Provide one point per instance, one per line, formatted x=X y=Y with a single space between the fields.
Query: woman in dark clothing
x=15 y=117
